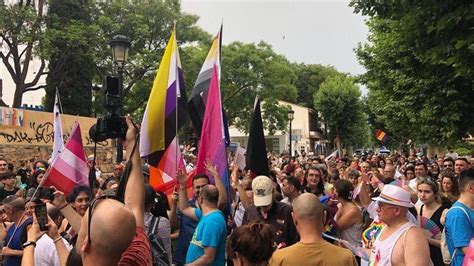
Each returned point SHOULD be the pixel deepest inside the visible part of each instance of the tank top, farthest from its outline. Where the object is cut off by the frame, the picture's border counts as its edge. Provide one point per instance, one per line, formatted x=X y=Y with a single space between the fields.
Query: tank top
x=435 y=252
x=381 y=253
x=352 y=234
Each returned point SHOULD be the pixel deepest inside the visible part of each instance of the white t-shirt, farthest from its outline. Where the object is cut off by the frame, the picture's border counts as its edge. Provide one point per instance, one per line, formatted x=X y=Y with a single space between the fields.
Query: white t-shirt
x=45 y=251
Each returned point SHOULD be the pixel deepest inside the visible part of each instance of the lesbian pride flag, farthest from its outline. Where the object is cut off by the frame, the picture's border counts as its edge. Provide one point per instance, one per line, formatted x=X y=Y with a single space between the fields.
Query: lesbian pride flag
x=69 y=168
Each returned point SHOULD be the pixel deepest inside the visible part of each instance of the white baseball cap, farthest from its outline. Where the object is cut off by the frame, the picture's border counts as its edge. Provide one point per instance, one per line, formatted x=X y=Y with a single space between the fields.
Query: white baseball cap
x=262 y=189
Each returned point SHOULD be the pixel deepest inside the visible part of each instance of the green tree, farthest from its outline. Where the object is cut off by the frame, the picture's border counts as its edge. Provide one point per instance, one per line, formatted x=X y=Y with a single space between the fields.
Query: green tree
x=255 y=69
x=419 y=62
x=22 y=27
x=148 y=24
x=71 y=67
x=338 y=100
x=309 y=78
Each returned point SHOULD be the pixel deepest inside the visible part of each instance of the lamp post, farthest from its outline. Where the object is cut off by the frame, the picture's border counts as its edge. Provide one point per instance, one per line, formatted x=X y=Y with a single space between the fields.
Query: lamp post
x=120 y=45
x=291 y=115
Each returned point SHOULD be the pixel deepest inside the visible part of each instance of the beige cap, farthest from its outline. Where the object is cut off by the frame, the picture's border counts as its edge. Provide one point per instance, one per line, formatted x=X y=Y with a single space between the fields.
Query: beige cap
x=262 y=188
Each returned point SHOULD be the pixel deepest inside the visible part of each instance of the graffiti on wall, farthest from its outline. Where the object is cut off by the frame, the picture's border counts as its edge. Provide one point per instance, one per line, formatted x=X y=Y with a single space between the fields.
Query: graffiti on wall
x=37 y=129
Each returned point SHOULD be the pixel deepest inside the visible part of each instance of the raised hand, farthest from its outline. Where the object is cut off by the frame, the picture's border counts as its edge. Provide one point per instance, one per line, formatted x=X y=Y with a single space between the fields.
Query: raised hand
x=59 y=199
x=211 y=169
x=234 y=177
x=181 y=177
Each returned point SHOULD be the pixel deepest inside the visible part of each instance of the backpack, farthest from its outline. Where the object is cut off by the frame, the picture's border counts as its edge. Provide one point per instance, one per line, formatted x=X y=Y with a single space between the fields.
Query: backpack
x=158 y=250
x=447 y=257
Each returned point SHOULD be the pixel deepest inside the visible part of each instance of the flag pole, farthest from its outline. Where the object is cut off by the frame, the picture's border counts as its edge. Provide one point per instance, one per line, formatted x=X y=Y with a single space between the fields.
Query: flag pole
x=178 y=94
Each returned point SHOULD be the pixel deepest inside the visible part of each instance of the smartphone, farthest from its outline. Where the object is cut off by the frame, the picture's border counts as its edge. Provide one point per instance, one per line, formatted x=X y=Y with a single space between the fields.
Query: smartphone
x=46 y=193
x=42 y=216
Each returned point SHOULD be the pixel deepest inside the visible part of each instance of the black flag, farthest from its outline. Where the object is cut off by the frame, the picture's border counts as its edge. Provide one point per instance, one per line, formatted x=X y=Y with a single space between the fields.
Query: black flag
x=256 y=157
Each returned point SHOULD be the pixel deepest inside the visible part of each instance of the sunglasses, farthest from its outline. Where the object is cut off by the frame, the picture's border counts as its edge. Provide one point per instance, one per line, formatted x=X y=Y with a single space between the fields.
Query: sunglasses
x=90 y=210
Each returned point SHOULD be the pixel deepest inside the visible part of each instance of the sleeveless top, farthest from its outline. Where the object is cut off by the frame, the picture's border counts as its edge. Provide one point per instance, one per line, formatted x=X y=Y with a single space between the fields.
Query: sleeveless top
x=15 y=242
x=381 y=253
x=435 y=252
x=352 y=234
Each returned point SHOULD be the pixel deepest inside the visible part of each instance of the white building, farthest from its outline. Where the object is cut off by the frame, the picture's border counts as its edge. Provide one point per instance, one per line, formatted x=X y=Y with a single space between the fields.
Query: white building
x=307 y=133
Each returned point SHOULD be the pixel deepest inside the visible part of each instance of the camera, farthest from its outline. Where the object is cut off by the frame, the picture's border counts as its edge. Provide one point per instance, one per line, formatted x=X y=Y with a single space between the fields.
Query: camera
x=111 y=125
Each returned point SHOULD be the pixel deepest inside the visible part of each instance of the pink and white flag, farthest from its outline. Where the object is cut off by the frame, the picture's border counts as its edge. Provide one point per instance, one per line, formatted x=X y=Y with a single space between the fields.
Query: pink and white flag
x=69 y=168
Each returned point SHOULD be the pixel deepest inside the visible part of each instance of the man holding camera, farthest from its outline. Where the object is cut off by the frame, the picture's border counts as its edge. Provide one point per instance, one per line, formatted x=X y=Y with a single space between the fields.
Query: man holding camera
x=110 y=232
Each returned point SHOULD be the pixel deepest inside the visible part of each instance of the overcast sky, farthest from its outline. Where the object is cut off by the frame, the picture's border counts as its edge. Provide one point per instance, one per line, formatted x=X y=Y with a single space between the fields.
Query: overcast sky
x=311 y=31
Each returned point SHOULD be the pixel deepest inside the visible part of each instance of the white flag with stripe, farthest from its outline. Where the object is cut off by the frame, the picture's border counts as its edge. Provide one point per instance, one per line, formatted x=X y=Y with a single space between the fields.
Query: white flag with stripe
x=58 y=145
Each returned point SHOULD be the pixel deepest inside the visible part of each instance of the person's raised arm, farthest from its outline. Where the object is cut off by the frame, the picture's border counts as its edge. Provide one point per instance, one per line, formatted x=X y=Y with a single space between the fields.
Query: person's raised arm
x=183 y=203
x=67 y=211
x=61 y=248
x=246 y=201
x=222 y=201
x=135 y=187
x=173 y=215
x=364 y=196
x=33 y=235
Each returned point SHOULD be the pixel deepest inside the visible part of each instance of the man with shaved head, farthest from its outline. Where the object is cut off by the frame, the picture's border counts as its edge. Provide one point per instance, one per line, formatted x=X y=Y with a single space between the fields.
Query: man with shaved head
x=312 y=249
x=207 y=247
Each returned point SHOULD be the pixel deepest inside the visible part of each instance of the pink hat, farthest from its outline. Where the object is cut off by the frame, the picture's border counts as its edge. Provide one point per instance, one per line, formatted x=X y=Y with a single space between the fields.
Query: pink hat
x=395 y=195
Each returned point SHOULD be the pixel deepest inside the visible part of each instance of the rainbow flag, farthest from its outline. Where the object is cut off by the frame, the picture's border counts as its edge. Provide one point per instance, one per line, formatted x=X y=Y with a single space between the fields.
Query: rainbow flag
x=212 y=145
x=69 y=167
x=199 y=95
x=381 y=136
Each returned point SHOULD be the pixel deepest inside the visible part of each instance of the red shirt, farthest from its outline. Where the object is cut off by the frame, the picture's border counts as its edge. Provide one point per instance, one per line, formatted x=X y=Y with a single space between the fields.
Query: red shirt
x=139 y=251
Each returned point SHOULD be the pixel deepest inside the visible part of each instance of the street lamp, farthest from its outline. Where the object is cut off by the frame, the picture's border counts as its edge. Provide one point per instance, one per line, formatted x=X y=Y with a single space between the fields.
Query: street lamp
x=291 y=115
x=120 y=45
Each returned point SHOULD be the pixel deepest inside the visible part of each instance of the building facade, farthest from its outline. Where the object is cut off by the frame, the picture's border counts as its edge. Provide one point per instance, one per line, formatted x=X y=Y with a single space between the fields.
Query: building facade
x=306 y=134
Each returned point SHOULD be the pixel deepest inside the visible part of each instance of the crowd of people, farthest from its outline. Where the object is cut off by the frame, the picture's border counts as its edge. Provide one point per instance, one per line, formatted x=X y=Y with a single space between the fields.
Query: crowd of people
x=398 y=209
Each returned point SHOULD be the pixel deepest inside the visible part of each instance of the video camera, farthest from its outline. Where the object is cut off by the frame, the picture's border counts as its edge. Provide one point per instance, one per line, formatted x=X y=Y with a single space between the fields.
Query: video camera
x=111 y=125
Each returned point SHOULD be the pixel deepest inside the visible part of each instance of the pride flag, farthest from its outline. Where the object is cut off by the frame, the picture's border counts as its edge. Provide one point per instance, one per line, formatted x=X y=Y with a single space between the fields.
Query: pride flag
x=212 y=145
x=381 y=136
x=69 y=168
x=166 y=109
x=165 y=113
x=199 y=95
x=58 y=145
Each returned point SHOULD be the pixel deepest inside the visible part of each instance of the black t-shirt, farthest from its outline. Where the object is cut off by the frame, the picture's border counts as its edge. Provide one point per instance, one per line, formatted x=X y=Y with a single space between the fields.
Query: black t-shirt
x=5 y=193
x=279 y=217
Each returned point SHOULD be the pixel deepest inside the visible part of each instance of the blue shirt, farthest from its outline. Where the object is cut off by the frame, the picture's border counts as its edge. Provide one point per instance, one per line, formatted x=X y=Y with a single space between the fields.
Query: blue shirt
x=15 y=242
x=210 y=232
x=459 y=231
x=186 y=231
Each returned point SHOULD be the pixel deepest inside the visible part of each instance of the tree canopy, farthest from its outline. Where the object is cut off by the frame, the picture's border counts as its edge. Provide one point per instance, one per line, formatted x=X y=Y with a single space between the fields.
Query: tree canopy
x=419 y=62
x=22 y=32
x=338 y=100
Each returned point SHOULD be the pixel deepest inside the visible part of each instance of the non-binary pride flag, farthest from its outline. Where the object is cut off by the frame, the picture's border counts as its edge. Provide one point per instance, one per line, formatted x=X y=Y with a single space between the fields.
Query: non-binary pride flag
x=158 y=128
x=212 y=146
x=199 y=95
x=58 y=145
x=69 y=168
x=381 y=136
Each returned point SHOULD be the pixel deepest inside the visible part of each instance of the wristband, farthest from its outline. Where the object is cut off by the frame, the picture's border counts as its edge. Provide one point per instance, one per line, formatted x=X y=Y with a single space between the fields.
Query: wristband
x=64 y=206
x=57 y=239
